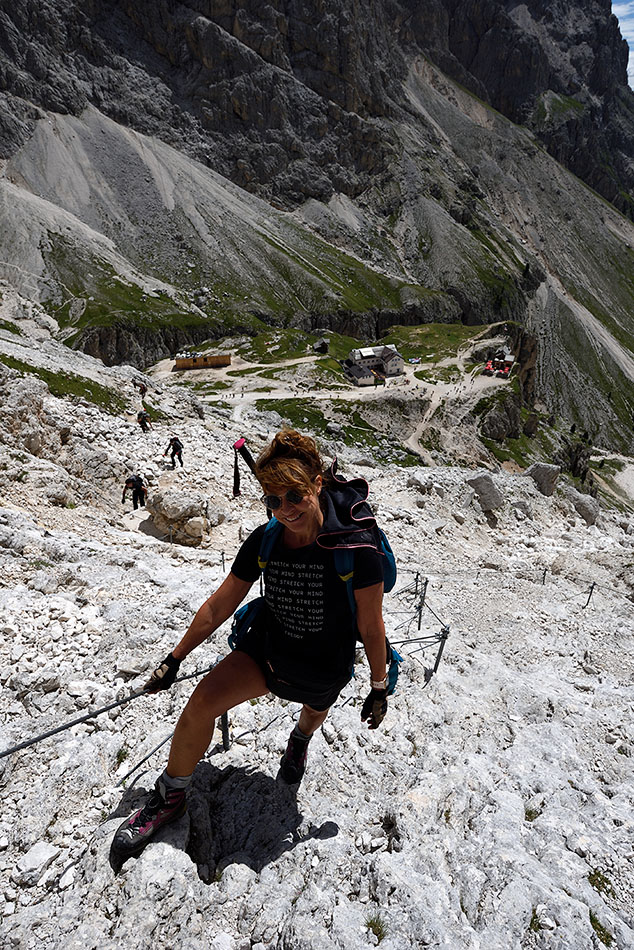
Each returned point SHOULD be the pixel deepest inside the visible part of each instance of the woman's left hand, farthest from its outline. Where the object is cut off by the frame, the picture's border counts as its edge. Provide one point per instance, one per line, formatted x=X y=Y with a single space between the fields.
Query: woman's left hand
x=374 y=708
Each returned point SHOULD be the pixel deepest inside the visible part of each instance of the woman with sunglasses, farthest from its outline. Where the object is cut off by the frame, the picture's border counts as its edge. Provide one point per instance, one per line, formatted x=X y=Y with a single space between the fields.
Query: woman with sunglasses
x=302 y=647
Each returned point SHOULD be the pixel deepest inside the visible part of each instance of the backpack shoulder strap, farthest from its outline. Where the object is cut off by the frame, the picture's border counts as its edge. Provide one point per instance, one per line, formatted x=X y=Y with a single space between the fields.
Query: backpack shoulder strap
x=271 y=534
x=389 y=563
x=344 y=566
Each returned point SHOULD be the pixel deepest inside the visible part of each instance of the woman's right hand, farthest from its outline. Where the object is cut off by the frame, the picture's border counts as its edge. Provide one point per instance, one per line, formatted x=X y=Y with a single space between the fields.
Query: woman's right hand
x=164 y=675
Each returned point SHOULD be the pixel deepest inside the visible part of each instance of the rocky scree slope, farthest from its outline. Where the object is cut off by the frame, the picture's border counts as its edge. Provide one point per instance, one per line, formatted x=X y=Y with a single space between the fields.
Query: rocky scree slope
x=494 y=805
x=559 y=68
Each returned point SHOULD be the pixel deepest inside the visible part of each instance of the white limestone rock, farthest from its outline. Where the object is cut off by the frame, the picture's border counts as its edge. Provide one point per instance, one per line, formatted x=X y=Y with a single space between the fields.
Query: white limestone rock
x=488 y=794
x=180 y=513
x=32 y=865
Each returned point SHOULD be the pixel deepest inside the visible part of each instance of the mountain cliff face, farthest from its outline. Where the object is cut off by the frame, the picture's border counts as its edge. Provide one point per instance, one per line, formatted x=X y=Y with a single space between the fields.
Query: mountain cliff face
x=558 y=67
x=295 y=99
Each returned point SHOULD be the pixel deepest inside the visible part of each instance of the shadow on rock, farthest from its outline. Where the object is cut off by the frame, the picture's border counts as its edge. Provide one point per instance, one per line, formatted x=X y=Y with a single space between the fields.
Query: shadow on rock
x=241 y=816
x=234 y=816
x=147 y=526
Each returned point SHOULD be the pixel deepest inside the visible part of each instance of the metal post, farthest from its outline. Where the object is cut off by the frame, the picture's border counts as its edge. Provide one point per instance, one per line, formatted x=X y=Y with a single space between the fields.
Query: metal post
x=224 y=728
x=443 y=639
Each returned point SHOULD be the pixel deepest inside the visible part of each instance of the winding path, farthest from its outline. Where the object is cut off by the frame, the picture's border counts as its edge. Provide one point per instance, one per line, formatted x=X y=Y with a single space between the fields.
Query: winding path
x=462 y=394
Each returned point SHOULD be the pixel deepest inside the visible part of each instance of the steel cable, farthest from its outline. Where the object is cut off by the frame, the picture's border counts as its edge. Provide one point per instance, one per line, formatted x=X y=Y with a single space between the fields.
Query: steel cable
x=94 y=713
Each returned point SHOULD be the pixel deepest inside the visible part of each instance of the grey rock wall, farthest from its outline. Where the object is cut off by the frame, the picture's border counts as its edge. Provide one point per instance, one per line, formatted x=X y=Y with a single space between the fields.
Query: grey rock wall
x=295 y=100
x=559 y=67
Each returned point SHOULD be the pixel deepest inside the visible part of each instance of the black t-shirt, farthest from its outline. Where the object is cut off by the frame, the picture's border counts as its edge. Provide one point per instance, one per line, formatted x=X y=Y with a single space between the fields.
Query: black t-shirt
x=308 y=624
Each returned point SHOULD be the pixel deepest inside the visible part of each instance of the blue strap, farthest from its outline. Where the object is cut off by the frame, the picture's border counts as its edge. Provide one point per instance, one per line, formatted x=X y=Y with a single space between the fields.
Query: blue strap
x=394 y=659
x=344 y=566
x=271 y=534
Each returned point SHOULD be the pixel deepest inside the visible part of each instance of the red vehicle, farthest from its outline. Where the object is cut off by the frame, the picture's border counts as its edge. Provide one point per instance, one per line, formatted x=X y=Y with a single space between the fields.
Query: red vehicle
x=488 y=368
x=504 y=371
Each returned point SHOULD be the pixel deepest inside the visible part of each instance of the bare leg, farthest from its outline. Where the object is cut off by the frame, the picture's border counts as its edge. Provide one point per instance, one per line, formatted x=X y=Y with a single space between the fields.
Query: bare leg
x=310 y=719
x=234 y=680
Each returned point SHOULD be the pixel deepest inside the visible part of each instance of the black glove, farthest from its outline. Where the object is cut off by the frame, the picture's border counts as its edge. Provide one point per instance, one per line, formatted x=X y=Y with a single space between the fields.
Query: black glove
x=374 y=708
x=164 y=675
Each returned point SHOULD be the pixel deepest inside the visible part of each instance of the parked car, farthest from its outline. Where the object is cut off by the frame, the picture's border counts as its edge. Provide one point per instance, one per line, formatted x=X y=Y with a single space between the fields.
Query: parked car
x=488 y=368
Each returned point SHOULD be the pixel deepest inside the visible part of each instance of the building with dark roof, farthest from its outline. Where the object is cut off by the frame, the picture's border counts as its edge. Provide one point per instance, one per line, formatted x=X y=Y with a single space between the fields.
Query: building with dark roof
x=364 y=365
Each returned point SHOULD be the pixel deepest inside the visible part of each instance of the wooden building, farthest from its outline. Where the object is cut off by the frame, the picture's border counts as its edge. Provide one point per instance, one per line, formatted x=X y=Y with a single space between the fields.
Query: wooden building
x=200 y=360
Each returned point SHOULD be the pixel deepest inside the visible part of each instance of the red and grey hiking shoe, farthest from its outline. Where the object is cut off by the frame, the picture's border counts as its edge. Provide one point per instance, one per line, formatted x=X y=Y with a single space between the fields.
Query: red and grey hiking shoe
x=293 y=762
x=164 y=805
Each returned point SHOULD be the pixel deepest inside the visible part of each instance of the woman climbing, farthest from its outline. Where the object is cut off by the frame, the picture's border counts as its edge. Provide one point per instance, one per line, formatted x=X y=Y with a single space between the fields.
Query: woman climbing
x=302 y=645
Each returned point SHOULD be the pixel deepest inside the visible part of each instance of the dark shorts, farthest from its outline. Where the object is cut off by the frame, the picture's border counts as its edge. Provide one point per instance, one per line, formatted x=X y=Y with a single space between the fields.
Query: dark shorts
x=318 y=696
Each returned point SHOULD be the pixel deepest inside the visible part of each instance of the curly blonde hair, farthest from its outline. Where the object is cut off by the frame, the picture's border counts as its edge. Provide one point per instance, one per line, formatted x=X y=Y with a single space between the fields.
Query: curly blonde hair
x=292 y=460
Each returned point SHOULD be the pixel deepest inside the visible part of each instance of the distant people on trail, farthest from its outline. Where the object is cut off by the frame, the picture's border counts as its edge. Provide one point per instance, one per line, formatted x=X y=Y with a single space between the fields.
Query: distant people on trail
x=301 y=645
x=176 y=448
x=135 y=484
x=143 y=418
x=140 y=386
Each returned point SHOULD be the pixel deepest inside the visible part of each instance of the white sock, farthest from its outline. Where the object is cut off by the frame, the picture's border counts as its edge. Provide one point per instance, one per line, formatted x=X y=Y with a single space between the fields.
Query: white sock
x=175 y=781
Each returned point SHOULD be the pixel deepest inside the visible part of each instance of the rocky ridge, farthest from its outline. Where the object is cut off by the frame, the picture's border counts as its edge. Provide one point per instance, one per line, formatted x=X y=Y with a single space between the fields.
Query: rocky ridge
x=494 y=806
x=291 y=100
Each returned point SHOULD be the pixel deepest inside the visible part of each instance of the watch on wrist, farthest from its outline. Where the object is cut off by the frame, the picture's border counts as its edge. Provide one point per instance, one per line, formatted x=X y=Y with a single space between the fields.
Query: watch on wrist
x=379 y=684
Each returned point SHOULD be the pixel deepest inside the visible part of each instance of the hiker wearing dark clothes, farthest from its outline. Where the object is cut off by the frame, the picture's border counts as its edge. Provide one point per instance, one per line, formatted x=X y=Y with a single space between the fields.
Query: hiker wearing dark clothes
x=141 y=387
x=302 y=645
x=176 y=448
x=138 y=489
x=143 y=418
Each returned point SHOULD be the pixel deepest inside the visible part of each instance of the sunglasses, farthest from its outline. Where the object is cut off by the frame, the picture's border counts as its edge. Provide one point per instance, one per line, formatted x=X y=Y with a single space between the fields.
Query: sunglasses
x=292 y=496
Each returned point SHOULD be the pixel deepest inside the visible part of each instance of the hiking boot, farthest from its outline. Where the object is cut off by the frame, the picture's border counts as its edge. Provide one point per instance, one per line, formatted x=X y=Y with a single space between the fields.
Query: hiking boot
x=163 y=805
x=293 y=762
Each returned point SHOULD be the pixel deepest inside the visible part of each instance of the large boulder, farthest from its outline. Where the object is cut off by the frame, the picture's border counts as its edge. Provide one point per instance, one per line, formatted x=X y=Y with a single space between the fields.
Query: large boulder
x=585 y=505
x=182 y=514
x=544 y=475
x=421 y=483
x=24 y=422
x=489 y=496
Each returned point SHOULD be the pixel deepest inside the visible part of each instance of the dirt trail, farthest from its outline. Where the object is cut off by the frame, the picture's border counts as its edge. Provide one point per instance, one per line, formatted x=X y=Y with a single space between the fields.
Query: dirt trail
x=464 y=394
